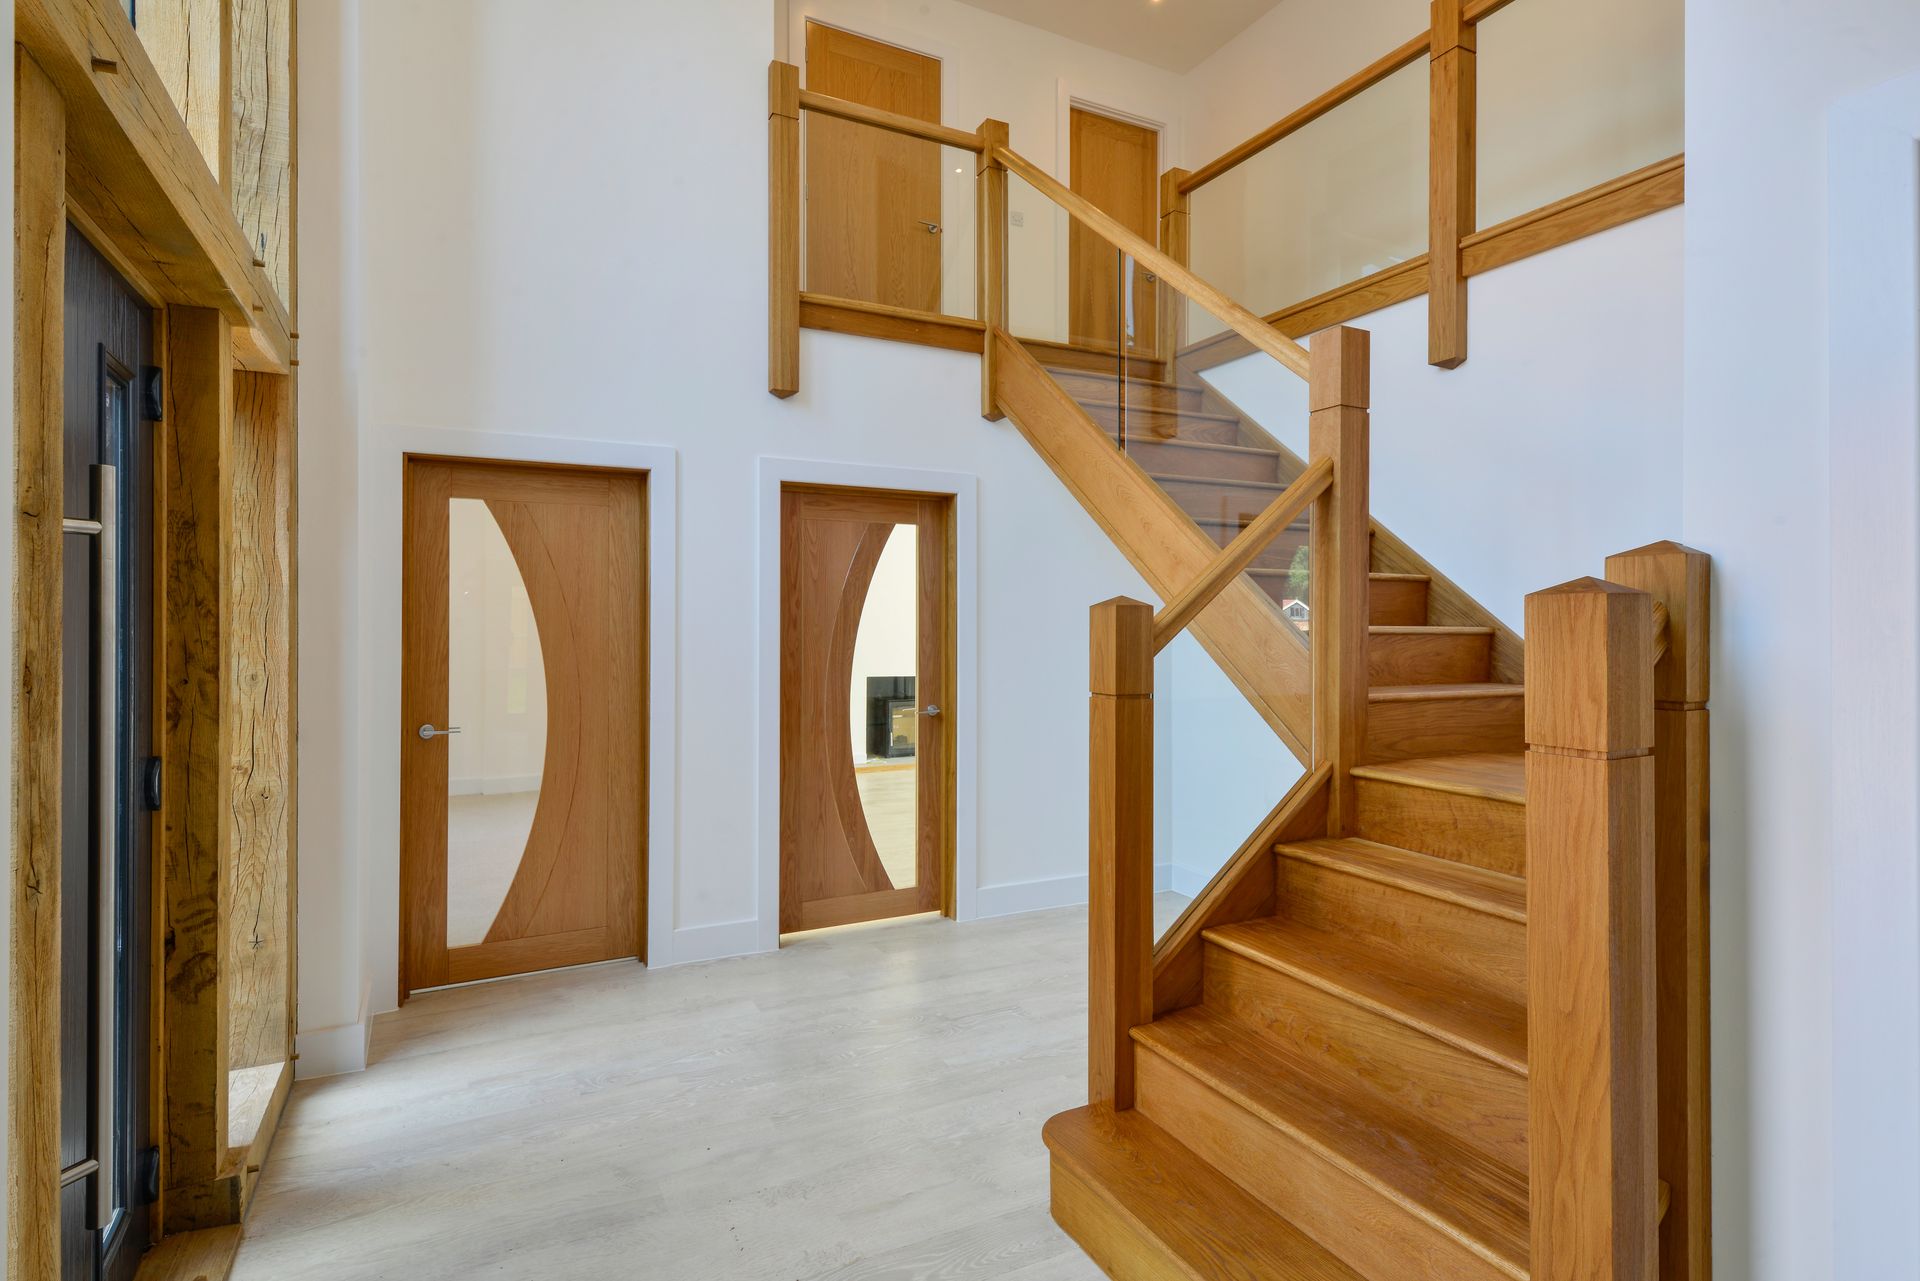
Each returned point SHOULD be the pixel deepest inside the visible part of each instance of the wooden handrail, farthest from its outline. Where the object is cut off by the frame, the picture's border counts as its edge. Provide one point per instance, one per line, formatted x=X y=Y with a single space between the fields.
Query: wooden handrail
x=1352 y=87
x=893 y=121
x=1243 y=322
x=1240 y=553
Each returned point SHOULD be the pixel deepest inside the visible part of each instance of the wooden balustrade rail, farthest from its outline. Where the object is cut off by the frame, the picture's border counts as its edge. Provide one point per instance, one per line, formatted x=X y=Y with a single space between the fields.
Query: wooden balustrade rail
x=1237 y=555
x=893 y=122
x=1173 y=273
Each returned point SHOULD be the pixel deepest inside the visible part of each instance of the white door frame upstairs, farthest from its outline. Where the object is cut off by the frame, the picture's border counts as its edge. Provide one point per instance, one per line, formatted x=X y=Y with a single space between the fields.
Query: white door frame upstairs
x=1873 y=367
x=773 y=473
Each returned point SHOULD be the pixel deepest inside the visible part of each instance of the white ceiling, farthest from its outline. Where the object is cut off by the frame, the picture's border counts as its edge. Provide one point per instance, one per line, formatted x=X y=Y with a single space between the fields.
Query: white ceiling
x=1175 y=34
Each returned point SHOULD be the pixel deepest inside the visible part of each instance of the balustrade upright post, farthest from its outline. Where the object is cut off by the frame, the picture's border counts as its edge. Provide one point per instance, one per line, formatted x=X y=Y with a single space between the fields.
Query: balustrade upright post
x=783 y=228
x=1679 y=578
x=1176 y=242
x=990 y=255
x=1120 y=836
x=1592 y=1084
x=1340 y=559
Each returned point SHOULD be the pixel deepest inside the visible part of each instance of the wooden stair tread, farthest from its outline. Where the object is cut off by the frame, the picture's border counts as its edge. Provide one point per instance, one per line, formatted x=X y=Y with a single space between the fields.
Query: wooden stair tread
x=1494 y=776
x=1494 y=893
x=1212 y=1226
x=1263 y=486
x=1427 y=629
x=1204 y=446
x=1470 y=1196
x=1421 y=693
x=1400 y=578
x=1198 y=415
x=1480 y=1023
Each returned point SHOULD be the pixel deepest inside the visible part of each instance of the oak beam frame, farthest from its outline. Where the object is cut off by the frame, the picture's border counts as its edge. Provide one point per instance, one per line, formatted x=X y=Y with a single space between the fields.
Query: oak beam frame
x=1592 y=1085
x=1120 y=839
x=33 y=994
x=136 y=170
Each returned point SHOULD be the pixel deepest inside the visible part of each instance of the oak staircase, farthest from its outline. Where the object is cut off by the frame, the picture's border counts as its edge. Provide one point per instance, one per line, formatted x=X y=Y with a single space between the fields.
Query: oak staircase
x=1444 y=1014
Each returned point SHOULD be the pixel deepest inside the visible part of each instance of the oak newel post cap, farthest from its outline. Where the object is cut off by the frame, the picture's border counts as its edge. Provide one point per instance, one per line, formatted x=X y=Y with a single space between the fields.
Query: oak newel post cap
x=1339 y=361
x=1678 y=576
x=1122 y=658
x=1590 y=669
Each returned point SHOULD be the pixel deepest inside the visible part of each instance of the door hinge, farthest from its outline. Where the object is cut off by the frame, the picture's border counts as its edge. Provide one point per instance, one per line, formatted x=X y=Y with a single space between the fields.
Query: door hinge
x=152 y=783
x=152 y=393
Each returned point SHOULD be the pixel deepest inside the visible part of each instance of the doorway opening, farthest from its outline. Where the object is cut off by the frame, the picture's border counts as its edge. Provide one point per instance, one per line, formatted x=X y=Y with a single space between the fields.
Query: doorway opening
x=1115 y=164
x=523 y=757
x=866 y=683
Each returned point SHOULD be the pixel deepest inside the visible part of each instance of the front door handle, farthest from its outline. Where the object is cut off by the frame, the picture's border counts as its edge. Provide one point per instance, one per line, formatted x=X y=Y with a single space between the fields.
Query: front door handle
x=429 y=732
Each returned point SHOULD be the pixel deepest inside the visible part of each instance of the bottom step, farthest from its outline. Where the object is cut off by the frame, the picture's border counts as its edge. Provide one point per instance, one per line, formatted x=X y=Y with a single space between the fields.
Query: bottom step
x=1143 y=1206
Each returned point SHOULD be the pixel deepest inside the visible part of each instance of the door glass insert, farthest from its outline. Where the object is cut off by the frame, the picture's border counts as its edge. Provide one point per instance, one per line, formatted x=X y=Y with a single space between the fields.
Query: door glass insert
x=497 y=697
x=885 y=715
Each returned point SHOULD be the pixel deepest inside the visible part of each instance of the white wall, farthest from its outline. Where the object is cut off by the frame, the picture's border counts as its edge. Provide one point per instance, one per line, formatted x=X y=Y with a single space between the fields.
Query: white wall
x=507 y=271
x=1761 y=79
x=1538 y=458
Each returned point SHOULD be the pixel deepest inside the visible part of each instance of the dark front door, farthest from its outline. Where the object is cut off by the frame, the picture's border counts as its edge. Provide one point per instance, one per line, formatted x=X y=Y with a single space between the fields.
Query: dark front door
x=107 y=1167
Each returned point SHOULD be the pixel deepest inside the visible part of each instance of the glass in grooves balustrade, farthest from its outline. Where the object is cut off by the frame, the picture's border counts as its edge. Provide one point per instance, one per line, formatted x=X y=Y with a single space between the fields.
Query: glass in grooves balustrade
x=1116 y=338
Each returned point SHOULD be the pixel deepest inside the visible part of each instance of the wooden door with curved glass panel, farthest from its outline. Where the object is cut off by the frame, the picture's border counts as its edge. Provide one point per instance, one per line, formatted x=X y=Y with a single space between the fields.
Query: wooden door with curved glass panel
x=523 y=752
x=866 y=685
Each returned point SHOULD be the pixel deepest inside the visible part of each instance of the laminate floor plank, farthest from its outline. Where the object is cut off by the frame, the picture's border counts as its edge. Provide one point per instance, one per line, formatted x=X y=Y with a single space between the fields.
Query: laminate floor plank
x=865 y=1103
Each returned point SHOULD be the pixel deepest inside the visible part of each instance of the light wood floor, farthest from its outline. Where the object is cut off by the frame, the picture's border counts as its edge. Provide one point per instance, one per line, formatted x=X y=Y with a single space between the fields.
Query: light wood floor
x=866 y=1103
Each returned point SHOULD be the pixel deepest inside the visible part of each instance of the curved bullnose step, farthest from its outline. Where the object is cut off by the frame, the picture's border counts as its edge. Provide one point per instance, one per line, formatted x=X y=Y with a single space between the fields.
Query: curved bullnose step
x=1142 y=1205
x=1400 y=1196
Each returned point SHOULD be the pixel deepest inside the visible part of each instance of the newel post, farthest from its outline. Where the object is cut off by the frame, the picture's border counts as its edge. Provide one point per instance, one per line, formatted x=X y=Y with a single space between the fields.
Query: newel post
x=1120 y=836
x=1176 y=242
x=783 y=228
x=1450 y=182
x=990 y=255
x=1679 y=578
x=1590 y=934
x=1340 y=558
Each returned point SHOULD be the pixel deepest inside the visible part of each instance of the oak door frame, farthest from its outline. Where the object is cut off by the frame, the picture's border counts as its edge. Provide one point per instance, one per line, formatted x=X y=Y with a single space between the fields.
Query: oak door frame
x=962 y=863
x=382 y=463
x=1068 y=102
x=410 y=922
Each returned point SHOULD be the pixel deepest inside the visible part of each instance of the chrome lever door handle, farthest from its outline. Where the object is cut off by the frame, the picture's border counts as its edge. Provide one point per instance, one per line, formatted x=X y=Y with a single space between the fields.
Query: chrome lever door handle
x=933 y=228
x=932 y=709
x=429 y=732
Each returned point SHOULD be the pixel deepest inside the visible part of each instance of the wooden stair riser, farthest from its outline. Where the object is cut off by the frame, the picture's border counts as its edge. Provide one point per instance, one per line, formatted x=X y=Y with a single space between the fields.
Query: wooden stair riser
x=1087 y=385
x=1215 y=500
x=1397 y=602
x=1203 y=461
x=1467 y=829
x=1441 y=724
x=1119 y=1245
x=1278 y=555
x=1429 y=658
x=1482 y=1103
x=1373 y=1232
x=1485 y=952
x=1148 y=423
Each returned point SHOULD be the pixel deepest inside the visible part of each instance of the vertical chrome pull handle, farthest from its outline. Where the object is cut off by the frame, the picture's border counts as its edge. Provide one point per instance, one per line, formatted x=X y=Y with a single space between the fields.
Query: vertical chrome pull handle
x=106 y=722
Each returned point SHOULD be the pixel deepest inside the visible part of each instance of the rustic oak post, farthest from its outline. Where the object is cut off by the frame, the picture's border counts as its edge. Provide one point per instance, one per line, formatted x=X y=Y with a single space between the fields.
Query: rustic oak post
x=783 y=228
x=1120 y=834
x=990 y=254
x=1339 y=558
x=1592 y=1084
x=1450 y=191
x=33 y=991
x=1176 y=242
x=1679 y=578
